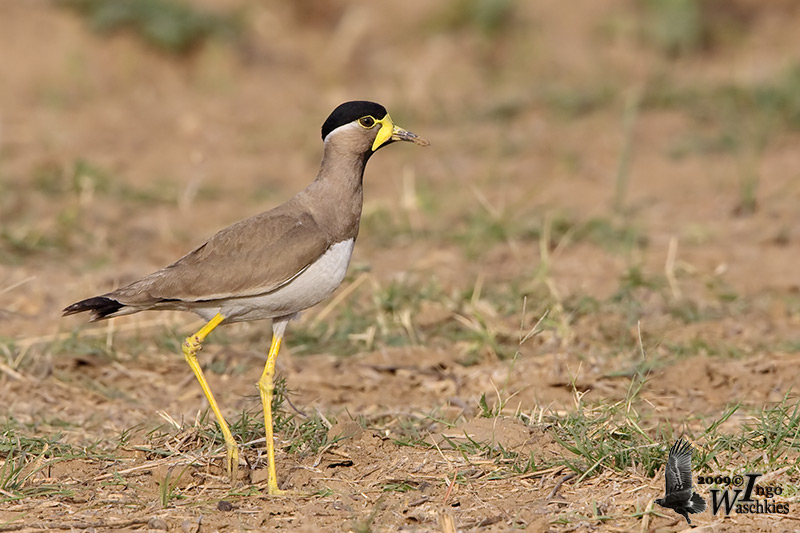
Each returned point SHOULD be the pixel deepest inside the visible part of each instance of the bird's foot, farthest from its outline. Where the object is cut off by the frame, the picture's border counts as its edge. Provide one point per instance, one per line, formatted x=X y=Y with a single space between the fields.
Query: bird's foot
x=273 y=490
x=232 y=461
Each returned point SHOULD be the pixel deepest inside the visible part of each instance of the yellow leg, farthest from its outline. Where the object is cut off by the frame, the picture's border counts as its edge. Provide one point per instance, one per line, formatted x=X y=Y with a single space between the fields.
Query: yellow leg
x=266 y=387
x=190 y=348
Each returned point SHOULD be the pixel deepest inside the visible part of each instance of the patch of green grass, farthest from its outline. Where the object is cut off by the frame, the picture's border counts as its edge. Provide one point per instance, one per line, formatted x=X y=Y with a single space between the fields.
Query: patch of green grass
x=674 y=27
x=409 y=430
x=94 y=346
x=610 y=436
x=581 y=305
x=86 y=177
x=486 y=410
x=771 y=430
x=306 y=434
x=698 y=144
x=722 y=290
x=364 y=525
x=167 y=25
x=610 y=234
x=748 y=191
x=775 y=431
x=699 y=346
x=382 y=317
x=488 y=17
x=762 y=107
x=789 y=346
x=384 y=228
x=690 y=311
x=415 y=431
x=170 y=339
x=25 y=457
x=636 y=287
x=504 y=462
x=20 y=242
x=83 y=177
x=167 y=487
x=635 y=278
x=402 y=486
x=28 y=230
x=571 y=102
x=678 y=28
x=14 y=478
x=616 y=436
x=483 y=230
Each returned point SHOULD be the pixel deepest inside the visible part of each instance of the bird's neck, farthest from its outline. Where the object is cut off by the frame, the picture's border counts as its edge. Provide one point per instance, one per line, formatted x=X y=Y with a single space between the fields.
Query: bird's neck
x=337 y=193
x=342 y=166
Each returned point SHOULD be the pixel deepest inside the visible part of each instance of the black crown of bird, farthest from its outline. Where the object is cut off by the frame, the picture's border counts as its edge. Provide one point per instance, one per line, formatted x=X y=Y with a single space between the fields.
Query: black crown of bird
x=272 y=265
x=678 y=494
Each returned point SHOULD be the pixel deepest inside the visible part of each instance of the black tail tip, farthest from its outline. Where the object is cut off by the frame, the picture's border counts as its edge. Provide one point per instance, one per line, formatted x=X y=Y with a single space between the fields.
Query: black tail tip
x=100 y=306
x=698 y=503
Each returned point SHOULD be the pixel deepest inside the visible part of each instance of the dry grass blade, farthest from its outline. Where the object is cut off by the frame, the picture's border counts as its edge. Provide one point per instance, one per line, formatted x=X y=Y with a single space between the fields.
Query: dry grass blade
x=16 y=285
x=447 y=523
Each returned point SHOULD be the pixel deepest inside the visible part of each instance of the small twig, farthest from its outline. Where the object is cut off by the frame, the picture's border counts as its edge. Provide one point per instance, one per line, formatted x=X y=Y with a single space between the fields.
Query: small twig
x=96 y=332
x=146 y=466
x=771 y=475
x=294 y=407
x=17 y=284
x=495 y=213
x=12 y=373
x=669 y=268
x=641 y=344
x=632 y=105
x=447 y=522
x=535 y=329
x=322 y=417
x=646 y=517
x=76 y=524
x=110 y=334
x=450 y=488
x=419 y=502
x=34 y=467
x=559 y=483
x=339 y=298
x=542 y=473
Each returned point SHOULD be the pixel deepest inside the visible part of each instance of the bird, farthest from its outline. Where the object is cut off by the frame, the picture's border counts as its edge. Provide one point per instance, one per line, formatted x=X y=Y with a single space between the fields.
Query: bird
x=272 y=265
x=679 y=495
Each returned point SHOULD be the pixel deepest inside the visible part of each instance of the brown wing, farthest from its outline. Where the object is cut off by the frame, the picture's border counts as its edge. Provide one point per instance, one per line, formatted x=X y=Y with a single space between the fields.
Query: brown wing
x=254 y=256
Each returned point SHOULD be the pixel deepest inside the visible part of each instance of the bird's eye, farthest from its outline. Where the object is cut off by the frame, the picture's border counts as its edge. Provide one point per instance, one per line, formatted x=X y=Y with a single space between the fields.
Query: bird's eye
x=367 y=121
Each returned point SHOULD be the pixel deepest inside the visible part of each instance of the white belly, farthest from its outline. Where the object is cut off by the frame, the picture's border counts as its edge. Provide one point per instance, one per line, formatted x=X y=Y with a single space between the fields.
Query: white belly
x=310 y=287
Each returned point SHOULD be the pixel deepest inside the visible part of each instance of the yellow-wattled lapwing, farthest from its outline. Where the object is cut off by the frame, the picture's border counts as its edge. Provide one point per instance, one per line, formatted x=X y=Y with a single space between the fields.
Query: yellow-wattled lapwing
x=272 y=265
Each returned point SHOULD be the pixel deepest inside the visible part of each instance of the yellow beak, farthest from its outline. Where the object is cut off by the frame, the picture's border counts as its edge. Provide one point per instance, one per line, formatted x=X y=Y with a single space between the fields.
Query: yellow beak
x=390 y=133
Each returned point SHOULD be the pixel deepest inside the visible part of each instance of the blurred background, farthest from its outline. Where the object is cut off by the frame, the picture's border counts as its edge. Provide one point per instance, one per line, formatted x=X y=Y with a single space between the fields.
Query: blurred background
x=642 y=152
x=628 y=169
x=137 y=128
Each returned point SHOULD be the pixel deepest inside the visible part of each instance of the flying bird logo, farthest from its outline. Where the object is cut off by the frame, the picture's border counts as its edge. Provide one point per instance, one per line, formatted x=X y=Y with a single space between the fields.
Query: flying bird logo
x=679 y=495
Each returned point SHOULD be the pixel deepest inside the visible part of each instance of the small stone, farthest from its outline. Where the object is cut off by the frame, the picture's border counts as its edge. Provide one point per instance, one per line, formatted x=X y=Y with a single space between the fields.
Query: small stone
x=157 y=523
x=225 y=505
x=188 y=526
